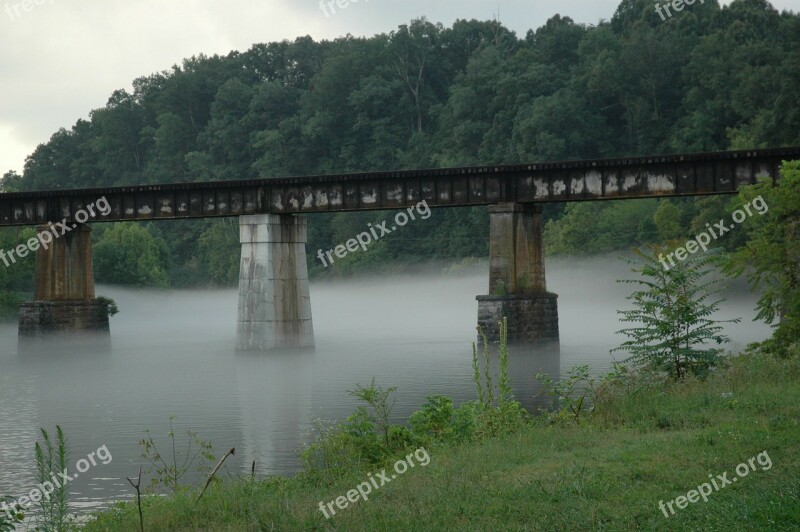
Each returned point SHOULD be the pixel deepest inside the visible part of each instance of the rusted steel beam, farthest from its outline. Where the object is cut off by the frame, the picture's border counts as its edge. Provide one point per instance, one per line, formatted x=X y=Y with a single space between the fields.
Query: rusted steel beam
x=620 y=178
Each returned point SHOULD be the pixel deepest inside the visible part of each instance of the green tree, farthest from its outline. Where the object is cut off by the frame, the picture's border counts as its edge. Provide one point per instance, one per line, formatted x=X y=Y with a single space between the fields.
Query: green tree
x=599 y=227
x=560 y=126
x=771 y=255
x=220 y=251
x=16 y=280
x=673 y=316
x=129 y=255
x=10 y=182
x=118 y=140
x=668 y=221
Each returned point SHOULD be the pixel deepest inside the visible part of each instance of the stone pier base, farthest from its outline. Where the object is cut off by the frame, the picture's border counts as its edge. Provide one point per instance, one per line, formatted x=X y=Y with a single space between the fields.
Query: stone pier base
x=44 y=318
x=274 y=299
x=531 y=318
x=516 y=277
x=64 y=301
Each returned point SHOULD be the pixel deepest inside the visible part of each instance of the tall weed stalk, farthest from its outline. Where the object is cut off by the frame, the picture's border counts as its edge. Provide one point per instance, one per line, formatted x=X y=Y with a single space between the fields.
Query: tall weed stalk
x=52 y=459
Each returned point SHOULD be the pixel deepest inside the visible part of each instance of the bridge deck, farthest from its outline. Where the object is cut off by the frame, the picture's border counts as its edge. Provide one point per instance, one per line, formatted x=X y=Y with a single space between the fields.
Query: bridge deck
x=621 y=178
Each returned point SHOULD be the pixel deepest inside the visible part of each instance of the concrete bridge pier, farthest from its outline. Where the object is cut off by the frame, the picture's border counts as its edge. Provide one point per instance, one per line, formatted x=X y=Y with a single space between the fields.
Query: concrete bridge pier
x=517 y=287
x=64 y=300
x=274 y=298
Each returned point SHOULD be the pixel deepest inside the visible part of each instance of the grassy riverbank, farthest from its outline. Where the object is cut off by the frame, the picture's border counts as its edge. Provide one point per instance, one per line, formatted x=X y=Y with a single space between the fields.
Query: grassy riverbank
x=648 y=444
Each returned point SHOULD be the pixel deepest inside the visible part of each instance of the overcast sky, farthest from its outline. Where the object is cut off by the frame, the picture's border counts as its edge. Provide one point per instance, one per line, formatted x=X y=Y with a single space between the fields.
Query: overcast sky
x=63 y=58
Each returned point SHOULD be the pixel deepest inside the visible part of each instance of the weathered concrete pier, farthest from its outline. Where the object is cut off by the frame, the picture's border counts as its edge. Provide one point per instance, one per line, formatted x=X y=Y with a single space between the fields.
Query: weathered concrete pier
x=274 y=297
x=64 y=299
x=517 y=286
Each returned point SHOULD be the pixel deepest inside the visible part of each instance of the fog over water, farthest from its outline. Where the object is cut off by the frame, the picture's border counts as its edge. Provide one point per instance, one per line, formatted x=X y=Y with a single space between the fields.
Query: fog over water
x=173 y=354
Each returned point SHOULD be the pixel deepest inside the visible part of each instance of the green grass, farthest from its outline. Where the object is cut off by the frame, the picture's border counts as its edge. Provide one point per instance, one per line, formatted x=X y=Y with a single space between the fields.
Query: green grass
x=609 y=473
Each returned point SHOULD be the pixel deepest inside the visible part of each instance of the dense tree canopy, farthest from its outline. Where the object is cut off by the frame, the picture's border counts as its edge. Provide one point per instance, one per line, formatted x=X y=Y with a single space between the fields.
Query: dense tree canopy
x=711 y=78
x=771 y=255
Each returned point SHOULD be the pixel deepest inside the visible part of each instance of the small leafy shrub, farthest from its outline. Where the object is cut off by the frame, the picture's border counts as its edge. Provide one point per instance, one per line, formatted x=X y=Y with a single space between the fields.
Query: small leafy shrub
x=374 y=436
x=366 y=437
x=435 y=418
x=110 y=305
x=494 y=412
x=500 y=288
x=381 y=404
x=168 y=472
x=576 y=393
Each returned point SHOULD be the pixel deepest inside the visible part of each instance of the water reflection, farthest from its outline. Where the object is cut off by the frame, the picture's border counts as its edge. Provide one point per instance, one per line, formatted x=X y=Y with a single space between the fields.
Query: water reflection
x=276 y=391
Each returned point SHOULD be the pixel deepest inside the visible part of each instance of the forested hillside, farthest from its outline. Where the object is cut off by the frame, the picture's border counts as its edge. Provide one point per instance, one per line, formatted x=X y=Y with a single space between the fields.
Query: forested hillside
x=426 y=95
